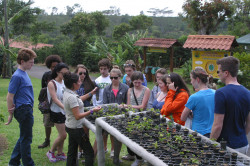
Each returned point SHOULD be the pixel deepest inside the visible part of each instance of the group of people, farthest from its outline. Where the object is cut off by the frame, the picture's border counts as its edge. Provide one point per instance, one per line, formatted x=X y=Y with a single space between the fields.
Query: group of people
x=220 y=115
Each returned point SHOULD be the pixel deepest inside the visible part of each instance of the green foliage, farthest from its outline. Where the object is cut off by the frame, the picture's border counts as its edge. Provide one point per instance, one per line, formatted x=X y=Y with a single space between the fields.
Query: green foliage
x=244 y=73
x=187 y=68
x=140 y=22
x=239 y=24
x=21 y=16
x=205 y=17
x=121 y=30
x=86 y=24
x=38 y=28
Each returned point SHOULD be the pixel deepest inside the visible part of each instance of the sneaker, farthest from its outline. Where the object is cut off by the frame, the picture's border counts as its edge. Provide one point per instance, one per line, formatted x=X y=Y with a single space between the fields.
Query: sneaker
x=51 y=156
x=137 y=162
x=112 y=154
x=106 y=151
x=128 y=157
x=61 y=157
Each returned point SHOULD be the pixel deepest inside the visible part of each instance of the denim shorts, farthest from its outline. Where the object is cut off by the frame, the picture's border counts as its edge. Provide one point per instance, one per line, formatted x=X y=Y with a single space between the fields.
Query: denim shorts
x=57 y=117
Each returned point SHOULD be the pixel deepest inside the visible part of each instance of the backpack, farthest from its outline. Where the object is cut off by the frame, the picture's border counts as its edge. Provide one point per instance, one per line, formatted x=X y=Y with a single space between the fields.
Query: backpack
x=44 y=104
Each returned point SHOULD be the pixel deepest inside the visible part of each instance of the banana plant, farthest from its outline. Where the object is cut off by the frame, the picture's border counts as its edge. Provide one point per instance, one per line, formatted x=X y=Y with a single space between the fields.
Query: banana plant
x=117 y=55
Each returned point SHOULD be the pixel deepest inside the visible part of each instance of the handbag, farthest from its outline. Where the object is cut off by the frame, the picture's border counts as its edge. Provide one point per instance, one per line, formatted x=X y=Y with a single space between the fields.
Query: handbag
x=44 y=104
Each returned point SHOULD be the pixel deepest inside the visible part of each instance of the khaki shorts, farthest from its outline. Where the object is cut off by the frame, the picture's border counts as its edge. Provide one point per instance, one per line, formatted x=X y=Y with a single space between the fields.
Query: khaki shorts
x=46 y=120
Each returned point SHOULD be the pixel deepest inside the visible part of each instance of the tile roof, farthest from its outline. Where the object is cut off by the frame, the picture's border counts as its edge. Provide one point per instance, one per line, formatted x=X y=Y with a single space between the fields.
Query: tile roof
x=221 y=42
x=155 y=42
x=24 y=44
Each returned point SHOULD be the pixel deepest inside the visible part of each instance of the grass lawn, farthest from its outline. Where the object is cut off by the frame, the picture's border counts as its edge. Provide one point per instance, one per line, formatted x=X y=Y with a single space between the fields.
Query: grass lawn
x=11 y=132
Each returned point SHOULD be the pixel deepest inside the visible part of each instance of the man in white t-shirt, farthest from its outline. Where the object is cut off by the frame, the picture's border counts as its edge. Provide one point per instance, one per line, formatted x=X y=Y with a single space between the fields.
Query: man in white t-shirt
x=102 y=81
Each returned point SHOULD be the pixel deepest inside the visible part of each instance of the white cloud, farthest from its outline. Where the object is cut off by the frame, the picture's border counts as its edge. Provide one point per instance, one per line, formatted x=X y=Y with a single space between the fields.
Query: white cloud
x=131 y=7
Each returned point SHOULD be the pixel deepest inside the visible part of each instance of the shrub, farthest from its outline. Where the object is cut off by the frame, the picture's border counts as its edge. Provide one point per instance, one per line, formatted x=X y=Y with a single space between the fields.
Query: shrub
x=244 y=73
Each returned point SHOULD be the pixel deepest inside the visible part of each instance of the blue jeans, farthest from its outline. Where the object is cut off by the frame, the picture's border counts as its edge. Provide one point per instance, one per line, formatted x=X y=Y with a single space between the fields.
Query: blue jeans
x=24 y=116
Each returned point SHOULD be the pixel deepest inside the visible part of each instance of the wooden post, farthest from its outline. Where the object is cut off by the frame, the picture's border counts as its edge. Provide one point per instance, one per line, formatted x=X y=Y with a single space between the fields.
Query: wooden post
x=144 y=57
x=171 y=59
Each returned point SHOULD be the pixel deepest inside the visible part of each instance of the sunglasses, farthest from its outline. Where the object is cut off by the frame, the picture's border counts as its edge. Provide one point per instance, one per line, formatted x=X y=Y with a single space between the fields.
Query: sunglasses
x=113 y=78
x=82 y=73
x=128 y=65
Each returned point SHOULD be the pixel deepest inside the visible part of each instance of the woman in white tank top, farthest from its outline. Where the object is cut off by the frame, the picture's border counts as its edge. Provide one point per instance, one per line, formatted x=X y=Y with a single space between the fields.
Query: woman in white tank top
x=55 y=91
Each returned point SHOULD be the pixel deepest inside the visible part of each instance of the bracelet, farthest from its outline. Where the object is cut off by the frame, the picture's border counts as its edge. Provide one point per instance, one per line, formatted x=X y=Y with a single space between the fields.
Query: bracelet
x=90 y=94
x=91 y=112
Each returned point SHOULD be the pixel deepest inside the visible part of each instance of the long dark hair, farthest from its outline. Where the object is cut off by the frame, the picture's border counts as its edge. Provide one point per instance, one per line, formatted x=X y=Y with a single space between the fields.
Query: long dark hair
x=178 y=82
x=57 y=69
x=88 y=84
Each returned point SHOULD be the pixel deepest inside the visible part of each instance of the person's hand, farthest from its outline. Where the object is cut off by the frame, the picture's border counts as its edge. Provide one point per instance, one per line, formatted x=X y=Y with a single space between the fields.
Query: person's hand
x=171 y=86
x=9 y=119
x=94 y=91
x=128 y=80
x=96 y=109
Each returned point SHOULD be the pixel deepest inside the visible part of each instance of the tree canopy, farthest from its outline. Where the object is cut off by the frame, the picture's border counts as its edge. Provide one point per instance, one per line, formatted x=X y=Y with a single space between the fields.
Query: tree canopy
x=205 y=17
x=140 y=22
x=86 y=24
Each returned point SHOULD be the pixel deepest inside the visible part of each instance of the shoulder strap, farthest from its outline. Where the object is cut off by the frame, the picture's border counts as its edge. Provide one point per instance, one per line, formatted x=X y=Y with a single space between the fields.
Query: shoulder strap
x=54 y=84
x=55 y=89
x=135 y=96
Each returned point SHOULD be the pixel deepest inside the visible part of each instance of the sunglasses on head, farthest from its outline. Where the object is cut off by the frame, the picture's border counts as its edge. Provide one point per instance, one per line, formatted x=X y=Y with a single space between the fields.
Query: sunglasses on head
x=128 y=65
x=82 y=73
x=113 y=78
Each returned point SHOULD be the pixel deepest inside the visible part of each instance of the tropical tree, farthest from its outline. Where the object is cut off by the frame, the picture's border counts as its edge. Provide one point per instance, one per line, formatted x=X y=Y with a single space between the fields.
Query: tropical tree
x=239 y=24
x=134 y=52
x=120 y=30
x=159 y=12
x=205 y=17
x=21 y=16
x=86 y=24
x=140 y=22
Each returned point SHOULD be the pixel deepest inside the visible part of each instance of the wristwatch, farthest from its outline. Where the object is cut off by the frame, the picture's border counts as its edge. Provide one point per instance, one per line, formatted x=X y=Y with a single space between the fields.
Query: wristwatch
x=90 y=94
x=91 y=112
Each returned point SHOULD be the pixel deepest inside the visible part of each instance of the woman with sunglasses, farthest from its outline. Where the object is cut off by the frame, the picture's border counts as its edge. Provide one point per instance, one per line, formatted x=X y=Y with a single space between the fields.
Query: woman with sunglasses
x=200 y=104
x=116 y=92
x=55 y=92
x=87 y=87
x=176 y=99
x=130 y=68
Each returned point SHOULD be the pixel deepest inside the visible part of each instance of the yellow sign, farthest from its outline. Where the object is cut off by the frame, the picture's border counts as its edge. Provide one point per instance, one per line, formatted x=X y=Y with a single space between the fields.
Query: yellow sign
x=157 y=49
x=207 y=60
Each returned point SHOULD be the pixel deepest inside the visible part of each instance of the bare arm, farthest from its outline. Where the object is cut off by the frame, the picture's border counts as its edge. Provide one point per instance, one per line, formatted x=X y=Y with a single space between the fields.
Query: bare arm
x=52 y=92
x=128 y=96
x=88 y=95
x=10 y=104
x=217 y=126
x=185 y=114
x=79 y=115
x=248 y=124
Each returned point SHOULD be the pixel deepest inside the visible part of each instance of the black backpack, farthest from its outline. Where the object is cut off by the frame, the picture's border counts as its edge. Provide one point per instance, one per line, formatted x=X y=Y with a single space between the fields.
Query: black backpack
x=44 y=104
